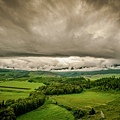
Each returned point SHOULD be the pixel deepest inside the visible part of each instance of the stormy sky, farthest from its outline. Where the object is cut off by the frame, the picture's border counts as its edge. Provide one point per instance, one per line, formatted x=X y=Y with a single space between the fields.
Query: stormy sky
x=59 y=33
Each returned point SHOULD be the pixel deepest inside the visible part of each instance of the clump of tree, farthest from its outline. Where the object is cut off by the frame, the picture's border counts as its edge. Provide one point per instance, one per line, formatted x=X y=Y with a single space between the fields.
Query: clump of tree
x=57 y=89
x=2 y=105
x=78 y=113
x=22 y=106
x=107 y=83
x=9 y=102
x=30 y=80
x=74 y=80
x=92 y=112
x=7 y=114
x=13 y=108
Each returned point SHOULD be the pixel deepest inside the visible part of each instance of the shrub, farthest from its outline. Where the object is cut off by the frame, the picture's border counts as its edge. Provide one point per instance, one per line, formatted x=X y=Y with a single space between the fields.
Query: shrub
x=92 y=112
x=78 y=113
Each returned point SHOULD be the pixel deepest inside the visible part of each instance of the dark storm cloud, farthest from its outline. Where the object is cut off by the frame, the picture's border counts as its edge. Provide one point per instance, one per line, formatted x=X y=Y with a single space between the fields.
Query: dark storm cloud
x=11 y=3
x=60 y=28
x=98 y=4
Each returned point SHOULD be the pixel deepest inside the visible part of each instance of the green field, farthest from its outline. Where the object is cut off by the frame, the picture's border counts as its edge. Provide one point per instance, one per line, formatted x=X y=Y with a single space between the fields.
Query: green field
x=107 y=102
x=95 y=77
x=85 y=100
x=48 y=112
x=16 y=89
x=15 y=85
x=22 y=84
x=12 y=95
x=111 y=111
x=84 y=73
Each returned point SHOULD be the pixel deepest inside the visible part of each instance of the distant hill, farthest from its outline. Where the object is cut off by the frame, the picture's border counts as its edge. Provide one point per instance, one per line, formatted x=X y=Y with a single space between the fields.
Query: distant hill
x=10 y=73
x=79 y=73
x=74 y=73
x=42 y=73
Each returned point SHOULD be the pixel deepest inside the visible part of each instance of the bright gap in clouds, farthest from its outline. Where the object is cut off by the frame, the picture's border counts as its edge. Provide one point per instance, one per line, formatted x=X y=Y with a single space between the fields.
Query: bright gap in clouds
x=57 y=63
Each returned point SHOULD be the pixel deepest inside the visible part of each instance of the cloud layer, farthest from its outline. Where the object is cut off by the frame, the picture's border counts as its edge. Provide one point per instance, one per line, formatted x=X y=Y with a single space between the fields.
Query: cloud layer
x=57 y=63
x=60 y=28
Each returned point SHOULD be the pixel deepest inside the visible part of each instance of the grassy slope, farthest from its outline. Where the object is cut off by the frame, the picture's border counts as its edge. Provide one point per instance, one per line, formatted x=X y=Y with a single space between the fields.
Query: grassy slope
x=84 y=73
x=42 y=73
x=85 y=100
x=111 y=111
x=48 y=112
x=11 y=93
x=22 y=84
x=12 y=74
x=107 y=102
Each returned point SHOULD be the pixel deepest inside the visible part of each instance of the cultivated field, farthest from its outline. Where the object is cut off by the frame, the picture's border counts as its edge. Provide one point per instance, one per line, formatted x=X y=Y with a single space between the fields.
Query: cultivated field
x=16 y=89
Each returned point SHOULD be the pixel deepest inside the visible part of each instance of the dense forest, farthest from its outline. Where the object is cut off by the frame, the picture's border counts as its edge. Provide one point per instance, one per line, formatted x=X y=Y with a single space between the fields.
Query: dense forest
x=107 y=83
x=60 y=89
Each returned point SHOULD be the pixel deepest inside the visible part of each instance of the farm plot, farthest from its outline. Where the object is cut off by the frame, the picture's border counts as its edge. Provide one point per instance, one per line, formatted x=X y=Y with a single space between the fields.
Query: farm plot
x=16 y=89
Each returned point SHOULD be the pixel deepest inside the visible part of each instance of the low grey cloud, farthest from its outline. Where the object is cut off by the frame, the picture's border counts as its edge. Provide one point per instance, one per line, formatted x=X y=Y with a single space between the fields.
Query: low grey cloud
x=60 y=28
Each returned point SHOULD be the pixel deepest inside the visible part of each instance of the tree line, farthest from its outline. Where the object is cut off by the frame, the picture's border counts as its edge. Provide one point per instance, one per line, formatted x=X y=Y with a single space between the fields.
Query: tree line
x=107 y=83
x=60 y=88
x=11 y=108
